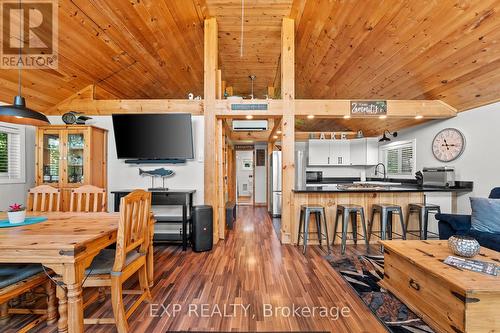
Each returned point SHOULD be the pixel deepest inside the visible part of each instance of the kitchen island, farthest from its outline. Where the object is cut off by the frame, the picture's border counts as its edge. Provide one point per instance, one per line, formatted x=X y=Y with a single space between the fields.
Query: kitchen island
x=366 y=194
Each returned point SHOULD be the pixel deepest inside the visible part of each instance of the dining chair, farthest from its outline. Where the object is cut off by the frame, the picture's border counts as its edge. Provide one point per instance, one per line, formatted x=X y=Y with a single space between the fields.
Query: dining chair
x=113 y=267
x=18 y=279
x=88 y=198
x=44 y=198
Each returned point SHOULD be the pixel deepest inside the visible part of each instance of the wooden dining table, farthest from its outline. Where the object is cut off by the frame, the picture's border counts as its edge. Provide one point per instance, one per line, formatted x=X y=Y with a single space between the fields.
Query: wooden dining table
x=65 y=243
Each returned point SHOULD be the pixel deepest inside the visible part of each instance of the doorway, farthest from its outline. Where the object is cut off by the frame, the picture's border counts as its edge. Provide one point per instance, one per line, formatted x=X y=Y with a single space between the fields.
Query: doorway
x=245 y=185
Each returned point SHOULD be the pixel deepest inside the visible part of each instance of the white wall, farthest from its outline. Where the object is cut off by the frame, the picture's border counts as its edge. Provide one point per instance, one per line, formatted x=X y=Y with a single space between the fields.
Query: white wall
x=17 y=193
x=126 y=176
x=480 y=161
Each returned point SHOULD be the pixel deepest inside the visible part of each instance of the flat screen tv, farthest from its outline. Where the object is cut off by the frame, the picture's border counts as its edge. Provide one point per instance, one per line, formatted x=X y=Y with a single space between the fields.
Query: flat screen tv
x=154 y=136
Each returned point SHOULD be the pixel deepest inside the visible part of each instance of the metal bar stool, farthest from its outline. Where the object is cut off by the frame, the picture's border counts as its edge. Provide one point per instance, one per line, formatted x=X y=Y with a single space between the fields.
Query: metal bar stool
x=423 y=211
x=349 y=212
x=386 y=212
x=305 y=217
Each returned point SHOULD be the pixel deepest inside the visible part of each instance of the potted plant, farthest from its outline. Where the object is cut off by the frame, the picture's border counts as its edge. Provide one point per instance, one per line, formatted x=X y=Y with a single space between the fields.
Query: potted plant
x=16 y=213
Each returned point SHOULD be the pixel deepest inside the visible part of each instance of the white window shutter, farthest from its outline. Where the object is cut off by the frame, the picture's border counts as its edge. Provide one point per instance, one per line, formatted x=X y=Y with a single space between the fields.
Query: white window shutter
x=12 y=168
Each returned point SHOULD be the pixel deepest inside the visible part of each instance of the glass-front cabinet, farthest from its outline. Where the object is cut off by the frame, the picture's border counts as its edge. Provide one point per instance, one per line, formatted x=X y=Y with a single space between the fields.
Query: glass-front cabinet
x=51 y=157
x=71 y=156
x=75 y=155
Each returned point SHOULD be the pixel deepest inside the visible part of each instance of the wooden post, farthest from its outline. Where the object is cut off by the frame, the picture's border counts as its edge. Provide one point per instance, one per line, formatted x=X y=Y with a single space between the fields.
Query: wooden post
x=210 y=166
x=288 y=125
x=223 y=88
x=270 y=92
x=218 y=84
x=220 y=178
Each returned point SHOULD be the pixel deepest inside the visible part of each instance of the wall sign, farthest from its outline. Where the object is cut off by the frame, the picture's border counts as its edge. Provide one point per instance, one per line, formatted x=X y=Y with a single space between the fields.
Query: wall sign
x=252 y=107
x=368 y=108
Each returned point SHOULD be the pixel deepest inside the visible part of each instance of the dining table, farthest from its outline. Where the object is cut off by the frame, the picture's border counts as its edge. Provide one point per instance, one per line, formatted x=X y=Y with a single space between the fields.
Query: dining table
x=65 y=243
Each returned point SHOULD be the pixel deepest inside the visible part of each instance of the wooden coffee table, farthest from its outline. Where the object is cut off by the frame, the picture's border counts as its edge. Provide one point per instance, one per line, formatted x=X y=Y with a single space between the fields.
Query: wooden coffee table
x=448 y=299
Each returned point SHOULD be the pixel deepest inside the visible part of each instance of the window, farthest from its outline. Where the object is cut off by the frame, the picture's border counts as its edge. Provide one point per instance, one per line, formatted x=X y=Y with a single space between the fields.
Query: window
x=399 y=158
x=12 y=169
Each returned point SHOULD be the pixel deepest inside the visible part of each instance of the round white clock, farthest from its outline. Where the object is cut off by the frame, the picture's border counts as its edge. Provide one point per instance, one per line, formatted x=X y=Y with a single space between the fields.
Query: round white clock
x=448 y=145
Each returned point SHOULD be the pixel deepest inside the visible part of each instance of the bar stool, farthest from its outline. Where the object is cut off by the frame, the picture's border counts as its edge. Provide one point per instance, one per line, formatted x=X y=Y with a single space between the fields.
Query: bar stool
x=305 y=217
x=386 y=212
x=423 y=211
x=349 y=212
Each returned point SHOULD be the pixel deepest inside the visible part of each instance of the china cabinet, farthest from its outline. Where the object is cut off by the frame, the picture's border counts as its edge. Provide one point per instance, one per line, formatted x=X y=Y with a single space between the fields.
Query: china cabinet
x=71 y=156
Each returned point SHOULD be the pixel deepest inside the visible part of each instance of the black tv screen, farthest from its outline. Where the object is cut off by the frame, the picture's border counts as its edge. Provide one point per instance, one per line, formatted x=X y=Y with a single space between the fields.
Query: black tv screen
x=154 y=136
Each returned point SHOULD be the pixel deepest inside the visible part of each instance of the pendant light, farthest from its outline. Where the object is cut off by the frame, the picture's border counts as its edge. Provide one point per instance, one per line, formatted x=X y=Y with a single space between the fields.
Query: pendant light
x=385 y=138
x=18 y=113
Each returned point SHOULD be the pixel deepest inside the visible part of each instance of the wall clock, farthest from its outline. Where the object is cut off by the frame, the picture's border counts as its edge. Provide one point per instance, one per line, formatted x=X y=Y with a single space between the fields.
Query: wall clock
x=448 y=145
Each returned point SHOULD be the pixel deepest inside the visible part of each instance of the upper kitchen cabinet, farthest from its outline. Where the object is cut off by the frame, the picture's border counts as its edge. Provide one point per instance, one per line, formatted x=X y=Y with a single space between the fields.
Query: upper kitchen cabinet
x=319 y=152
x=364 y=151
x=71 y=156
x=325 y=152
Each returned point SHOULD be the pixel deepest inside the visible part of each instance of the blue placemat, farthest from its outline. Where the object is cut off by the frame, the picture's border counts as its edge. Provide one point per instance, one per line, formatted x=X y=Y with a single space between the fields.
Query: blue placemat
x=29 y=220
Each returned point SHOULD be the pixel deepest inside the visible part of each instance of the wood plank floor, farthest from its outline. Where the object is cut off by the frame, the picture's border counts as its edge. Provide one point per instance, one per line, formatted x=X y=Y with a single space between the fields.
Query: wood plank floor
x=249 y=268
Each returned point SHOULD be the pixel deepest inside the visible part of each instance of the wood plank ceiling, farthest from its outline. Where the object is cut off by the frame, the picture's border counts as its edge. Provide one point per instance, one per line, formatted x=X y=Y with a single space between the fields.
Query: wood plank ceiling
x=390 y=49
x=261 y=42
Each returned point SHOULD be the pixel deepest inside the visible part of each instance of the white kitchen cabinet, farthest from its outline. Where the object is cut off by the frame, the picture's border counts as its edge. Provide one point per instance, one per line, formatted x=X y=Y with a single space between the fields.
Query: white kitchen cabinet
x=364 y=151
x=340 y=152
x=329 y=152
x=319 y=152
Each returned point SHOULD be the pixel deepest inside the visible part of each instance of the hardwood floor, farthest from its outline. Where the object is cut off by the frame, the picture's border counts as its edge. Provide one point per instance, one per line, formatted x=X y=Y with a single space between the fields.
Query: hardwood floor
x=249 y=268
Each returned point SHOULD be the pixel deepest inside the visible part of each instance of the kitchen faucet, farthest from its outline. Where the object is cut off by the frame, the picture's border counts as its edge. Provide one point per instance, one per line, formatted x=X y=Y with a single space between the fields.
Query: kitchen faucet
x=385 y=171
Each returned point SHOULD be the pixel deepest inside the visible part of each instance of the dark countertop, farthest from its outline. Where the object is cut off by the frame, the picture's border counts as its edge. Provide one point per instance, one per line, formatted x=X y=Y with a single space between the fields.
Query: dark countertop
x=407 y=185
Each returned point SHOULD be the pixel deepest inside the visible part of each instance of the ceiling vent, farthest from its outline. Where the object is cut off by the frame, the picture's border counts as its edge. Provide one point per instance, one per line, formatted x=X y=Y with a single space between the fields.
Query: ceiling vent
x=249 y=125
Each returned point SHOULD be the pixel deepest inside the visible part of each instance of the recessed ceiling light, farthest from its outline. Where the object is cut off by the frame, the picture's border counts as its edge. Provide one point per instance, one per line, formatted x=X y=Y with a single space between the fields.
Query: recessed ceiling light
x=311 y=116
x=275 y=136
x=419 y=116
x=382 y=116
x=249 y=116
x=279 y=132
x=347 y=116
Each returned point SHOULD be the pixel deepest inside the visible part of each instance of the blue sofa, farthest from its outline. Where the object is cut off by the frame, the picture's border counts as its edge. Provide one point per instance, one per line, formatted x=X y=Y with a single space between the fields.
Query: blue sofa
x=452 y=224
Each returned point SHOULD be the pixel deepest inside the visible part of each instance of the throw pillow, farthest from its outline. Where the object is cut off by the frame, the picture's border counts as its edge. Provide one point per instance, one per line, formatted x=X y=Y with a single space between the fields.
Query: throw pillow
x=485 y=214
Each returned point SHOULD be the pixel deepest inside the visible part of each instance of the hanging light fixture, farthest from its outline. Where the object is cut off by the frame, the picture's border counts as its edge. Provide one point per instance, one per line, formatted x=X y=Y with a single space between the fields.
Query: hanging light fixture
x=18 y=113
x=385 y=138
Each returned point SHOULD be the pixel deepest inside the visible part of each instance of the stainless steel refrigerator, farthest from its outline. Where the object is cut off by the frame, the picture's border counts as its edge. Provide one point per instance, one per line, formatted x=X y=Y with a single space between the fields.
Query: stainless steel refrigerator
x=275 y=184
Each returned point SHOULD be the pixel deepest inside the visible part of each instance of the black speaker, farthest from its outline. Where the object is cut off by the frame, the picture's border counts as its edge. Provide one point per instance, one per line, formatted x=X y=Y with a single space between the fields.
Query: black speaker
x=202 y=228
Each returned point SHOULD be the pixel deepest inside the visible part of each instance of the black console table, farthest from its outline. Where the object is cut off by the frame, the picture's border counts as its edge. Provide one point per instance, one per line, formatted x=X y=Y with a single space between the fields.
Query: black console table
x=169 y=197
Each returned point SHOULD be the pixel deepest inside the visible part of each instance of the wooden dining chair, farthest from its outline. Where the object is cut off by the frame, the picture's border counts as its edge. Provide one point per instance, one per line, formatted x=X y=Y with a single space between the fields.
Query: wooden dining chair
x=113 y=267
x=44 y=198
x=88 y=198
x=18 y=279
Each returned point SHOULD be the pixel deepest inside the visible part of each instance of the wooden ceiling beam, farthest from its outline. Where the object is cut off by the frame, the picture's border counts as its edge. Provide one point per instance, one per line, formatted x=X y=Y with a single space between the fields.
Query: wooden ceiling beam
x=111 y=106
x=276 y=127
x=433 y=109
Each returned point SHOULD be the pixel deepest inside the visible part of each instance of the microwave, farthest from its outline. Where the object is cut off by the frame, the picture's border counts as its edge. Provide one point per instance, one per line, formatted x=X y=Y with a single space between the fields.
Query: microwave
x=314 y=176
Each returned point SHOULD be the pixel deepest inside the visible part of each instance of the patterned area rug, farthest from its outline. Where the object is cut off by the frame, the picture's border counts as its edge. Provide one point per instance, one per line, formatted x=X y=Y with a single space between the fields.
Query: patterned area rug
x=362 y=273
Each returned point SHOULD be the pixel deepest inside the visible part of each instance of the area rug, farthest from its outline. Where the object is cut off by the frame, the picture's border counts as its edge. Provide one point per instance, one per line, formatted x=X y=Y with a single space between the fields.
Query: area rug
x=362 y=273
